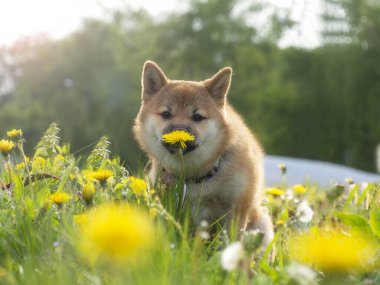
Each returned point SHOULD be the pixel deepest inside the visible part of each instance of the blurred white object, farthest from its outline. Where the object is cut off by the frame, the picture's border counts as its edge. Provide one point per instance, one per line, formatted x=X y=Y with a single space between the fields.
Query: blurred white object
x=312 y=171
x=232 y=255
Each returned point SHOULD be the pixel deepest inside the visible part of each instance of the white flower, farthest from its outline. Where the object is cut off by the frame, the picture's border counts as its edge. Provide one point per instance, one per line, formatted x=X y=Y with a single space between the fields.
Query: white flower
x=301 y=273
x=231 y=256
x=204 y=235
x=304 y=213
x=289 y=195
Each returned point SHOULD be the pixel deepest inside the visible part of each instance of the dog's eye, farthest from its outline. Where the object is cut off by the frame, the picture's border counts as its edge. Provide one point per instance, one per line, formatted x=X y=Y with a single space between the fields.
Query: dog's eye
x=166 y=115
x=197 y=118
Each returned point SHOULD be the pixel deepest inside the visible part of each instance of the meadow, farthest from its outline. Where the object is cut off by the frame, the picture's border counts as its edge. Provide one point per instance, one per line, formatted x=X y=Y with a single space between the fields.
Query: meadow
x=66 y=218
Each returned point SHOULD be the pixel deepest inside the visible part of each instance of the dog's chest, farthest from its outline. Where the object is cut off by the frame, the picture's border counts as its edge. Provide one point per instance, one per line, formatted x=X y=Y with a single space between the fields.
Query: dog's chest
x=215 y=197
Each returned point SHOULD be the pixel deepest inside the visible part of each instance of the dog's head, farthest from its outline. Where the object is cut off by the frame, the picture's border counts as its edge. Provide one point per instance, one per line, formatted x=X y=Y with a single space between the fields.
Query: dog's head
x=195 y=107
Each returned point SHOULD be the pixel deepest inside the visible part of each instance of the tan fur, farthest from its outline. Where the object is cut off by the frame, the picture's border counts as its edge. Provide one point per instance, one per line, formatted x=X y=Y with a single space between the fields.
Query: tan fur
x=235 y=190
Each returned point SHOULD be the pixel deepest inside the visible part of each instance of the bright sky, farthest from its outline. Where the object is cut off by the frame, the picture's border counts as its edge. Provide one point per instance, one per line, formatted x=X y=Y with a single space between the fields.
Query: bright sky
x=58 y=18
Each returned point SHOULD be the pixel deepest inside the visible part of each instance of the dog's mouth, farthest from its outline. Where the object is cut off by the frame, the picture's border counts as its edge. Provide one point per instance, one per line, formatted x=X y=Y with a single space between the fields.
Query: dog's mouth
x=177 y=148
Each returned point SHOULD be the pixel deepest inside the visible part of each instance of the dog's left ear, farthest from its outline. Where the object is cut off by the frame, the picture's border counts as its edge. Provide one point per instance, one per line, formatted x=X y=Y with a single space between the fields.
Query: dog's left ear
x=219 y=84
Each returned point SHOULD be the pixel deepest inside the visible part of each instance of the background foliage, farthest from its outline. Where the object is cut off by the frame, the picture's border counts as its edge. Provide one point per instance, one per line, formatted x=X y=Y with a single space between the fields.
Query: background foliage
x=320 y=103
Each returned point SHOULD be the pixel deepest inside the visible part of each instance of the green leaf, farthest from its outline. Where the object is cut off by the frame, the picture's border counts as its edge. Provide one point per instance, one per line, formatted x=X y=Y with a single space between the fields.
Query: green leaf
x=355 y=222
x=29 y=209
x=374 y=221
x=351 y=196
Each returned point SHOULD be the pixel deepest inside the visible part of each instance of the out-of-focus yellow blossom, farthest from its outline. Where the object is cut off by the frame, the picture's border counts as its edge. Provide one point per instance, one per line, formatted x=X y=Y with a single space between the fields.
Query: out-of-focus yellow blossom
x=59 y=198
x=153 y=212
x=20 y=166
x=14 y=134
x=39 y=163
x=6 y=146
x=299 y=189
x=81 y=219
x=280 y=222
x=282 y=167
x=100 y=175
x=137 y=185
x=59 y=160
x=275 y=191
x=116 y=233
x=333 y=250
x=88 y=191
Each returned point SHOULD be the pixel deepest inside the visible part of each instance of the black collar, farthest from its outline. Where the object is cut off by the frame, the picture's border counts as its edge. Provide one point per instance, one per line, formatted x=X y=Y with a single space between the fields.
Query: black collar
x=204 y=178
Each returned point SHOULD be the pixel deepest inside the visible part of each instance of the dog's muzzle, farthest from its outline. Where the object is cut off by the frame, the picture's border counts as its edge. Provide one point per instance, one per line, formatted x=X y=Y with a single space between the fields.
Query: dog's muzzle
x=174 y=148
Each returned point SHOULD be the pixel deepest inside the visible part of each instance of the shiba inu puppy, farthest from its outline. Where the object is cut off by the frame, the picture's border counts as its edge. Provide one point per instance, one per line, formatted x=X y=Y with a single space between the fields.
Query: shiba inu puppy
x=222 y=167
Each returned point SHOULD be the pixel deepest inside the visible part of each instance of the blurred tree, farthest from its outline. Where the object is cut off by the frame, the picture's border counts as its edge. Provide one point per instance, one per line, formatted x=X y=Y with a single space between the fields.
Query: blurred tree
x=320 y=103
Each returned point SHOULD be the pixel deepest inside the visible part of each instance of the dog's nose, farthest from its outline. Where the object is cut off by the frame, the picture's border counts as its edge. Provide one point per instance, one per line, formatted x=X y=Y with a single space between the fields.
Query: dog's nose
x=178 y=127
x=189 y=145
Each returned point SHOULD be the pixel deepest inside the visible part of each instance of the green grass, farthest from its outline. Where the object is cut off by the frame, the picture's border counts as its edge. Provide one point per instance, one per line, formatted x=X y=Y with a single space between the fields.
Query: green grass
x=39 y=240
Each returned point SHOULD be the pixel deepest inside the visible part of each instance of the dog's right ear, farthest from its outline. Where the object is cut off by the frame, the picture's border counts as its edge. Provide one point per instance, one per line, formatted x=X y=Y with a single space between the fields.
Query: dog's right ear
x=152 y=80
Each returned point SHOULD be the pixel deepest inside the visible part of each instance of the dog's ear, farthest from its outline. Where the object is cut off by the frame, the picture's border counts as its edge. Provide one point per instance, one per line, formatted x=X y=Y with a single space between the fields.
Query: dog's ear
x=219 y=84
x=152 y=80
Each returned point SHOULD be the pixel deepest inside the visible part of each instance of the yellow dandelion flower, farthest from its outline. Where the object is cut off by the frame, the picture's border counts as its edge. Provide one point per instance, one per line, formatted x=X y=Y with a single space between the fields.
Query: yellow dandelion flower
x=179 y=137
x=81 y=219
x=275 y=191
x=101 y=175
x=6 y=146
x=280 y=222
x=299 y=189
x=39 y=163
x=333 y=250
x=14 y=133
x=153 y=212
x=20 y=166
x=59 y=198
x=137 y=185
x=282 y=167
x=59 y=160
x=88 y=191
x=116 y=233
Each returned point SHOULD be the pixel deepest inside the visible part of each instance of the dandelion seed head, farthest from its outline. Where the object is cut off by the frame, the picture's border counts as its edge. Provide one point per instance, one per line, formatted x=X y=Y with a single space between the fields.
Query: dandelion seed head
x=304 y=213
x=231 y=256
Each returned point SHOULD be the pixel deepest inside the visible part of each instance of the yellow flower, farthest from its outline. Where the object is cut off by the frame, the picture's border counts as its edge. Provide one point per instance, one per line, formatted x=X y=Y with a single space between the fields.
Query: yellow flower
x=116 y=233
x=178 y=137
x=14 y=133
x=39 y=163
x=275 y=191
x=153 y=212
x=299 y=189
x=282 y=167
x=280 y=222
x=59 y=198
x=20 y=166
x=88 y=191
x=137 y=185
x=81 y=219
x=333 y=250
x=6 y=146
x=59 y=160
x=101 y=175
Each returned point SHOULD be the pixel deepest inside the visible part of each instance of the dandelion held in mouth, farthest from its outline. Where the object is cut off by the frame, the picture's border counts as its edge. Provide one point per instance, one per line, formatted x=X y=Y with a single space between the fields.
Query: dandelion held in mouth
x=178 y=137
